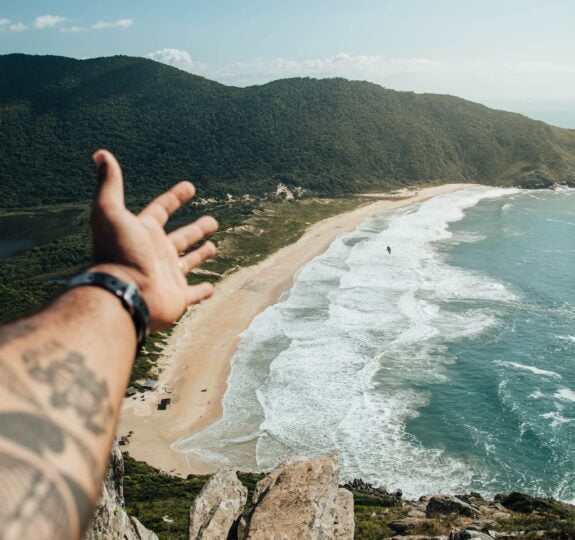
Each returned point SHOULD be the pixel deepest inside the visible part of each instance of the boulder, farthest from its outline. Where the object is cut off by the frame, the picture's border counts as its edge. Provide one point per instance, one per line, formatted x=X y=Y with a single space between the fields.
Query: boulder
x=298 y=499
x=217 y=509
x=469 y=534
x=418 y=537
x=445 y=505
x=526 y=504
x=344 y=526
x=141 y=532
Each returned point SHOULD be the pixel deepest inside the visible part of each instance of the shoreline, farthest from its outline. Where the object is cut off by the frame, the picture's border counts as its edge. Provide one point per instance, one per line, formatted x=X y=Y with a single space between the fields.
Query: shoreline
x=196 y=360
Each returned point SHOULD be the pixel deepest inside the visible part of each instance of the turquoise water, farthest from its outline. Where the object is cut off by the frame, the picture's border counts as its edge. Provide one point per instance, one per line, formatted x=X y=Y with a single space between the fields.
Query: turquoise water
x=446 y=366
x=508 y=404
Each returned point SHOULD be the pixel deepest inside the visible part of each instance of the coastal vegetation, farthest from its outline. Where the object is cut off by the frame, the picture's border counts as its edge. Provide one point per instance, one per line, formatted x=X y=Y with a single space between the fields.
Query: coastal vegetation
x=331 y=136
x=162 y=502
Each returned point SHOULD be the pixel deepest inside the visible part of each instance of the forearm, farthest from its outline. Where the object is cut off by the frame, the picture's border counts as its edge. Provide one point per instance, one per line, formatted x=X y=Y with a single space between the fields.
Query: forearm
x=63 y=374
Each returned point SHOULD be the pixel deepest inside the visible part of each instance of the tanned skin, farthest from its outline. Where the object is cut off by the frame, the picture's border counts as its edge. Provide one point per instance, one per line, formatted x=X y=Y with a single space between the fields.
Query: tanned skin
x=64 y=370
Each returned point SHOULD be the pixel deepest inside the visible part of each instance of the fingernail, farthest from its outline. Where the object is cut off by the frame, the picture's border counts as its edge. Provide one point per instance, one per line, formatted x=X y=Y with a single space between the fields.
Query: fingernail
x=99 y=158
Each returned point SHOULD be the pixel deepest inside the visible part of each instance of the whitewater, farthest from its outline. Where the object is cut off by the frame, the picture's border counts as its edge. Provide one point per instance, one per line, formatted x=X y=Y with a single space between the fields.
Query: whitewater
x=445 y=366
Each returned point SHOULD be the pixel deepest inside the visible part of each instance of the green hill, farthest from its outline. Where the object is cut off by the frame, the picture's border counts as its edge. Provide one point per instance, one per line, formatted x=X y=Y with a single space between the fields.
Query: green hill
x=329 y=135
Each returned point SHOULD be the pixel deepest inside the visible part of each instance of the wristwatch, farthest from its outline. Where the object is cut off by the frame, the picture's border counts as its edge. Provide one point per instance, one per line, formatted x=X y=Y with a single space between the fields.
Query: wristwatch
x=128 y=294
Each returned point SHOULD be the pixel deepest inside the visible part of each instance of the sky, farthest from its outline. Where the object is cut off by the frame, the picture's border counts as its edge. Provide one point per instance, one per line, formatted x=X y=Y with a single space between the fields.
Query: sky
x=510 y=54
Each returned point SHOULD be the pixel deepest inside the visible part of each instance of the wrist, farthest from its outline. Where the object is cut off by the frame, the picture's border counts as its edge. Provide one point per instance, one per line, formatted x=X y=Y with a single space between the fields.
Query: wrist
x=77 y=305
x=115 y=281
x=123 y=272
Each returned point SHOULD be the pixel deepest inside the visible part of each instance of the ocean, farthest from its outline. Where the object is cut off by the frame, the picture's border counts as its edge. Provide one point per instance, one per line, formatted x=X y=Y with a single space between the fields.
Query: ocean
x=445 y=366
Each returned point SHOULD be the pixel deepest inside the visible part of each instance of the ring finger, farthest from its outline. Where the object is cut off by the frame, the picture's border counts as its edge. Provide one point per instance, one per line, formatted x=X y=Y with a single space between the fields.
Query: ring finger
x=187 y=236
x=196 y=257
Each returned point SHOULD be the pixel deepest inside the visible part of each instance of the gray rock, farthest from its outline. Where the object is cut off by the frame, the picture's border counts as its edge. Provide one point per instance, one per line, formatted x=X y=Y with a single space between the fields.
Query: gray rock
x=344 y=526
x=469 y=535
x=481 y=525
x=110 y=520
x=218 y=508
x=416 y=513
x=141 y=532
x=417 y=537
x=297 y=499
x=445 y=505
x=409 y=524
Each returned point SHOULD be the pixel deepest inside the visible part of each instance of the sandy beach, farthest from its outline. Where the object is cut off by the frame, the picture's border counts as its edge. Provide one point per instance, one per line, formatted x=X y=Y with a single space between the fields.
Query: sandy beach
x=196 y=362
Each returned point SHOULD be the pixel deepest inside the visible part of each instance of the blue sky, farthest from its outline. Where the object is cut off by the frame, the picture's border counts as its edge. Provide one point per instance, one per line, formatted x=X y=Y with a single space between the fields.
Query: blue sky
x=513 y=54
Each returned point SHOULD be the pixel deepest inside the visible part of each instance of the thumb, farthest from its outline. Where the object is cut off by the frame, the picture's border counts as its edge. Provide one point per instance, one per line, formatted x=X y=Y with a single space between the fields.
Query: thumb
x=110 y=193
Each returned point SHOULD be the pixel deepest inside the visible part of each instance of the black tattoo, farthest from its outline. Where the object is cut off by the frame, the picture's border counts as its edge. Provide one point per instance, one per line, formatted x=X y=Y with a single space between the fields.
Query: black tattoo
x=34 y=432
x=31 y=503
x=16 y=387
x=41 y=436
x=39 y=496
x=84 y=505
x=72 y=385
x=15 y=331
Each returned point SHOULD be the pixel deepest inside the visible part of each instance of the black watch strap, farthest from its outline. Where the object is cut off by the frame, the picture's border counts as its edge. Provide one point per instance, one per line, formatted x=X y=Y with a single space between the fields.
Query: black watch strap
x=128 y=294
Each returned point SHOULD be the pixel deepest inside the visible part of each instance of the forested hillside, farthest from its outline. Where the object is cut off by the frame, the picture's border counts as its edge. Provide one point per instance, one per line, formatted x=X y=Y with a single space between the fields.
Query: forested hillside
x=329 y=135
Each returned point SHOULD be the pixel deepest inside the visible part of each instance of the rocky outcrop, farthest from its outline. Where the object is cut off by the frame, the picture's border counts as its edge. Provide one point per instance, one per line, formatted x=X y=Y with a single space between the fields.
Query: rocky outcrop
x=110 y=520
x=445 y=505
x=344 y=526
x=217 y=509
x=299 y=499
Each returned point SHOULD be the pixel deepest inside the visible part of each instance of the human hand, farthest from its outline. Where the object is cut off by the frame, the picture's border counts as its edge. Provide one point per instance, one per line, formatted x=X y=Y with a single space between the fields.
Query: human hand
x=135 y=248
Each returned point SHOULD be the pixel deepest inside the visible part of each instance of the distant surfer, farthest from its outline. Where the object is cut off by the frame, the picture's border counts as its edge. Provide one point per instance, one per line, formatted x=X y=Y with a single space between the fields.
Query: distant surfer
x=389 y=250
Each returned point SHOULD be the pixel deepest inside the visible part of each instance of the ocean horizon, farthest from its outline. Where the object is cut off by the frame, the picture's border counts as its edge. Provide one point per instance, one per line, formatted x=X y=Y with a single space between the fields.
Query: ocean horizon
x=445 y=366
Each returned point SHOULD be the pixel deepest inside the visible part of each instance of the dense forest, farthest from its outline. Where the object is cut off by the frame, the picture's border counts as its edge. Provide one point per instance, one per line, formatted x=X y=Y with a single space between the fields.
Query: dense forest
x=331 y=135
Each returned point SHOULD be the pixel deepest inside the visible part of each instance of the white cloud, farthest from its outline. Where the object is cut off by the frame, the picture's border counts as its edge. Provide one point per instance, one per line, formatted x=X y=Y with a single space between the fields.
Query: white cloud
x=118 y=23
x=48 y=21
x=484 y=79
x=377 y=68
x=177 y=58
x=74 y=29
x=18 y=27
x=4 y=22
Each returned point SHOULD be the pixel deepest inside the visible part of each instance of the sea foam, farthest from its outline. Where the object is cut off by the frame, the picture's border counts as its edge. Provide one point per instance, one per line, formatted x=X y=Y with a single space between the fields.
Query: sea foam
x=335 y=366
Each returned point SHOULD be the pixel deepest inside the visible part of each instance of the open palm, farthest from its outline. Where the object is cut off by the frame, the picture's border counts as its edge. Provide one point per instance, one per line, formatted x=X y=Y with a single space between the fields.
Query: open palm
x=136 y=248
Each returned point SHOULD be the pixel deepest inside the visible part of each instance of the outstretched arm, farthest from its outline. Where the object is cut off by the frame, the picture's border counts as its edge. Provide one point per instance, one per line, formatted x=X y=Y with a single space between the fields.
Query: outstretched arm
x=63 y=371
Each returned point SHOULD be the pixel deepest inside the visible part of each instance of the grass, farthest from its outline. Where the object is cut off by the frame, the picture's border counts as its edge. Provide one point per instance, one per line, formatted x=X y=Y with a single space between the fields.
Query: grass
x=151 y=496
x=160 y=501
x=373 y=513
x=534 y=514
x=271 y=226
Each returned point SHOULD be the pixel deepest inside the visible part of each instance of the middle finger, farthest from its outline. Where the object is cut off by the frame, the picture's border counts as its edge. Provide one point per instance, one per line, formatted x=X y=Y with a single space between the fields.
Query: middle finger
x=187 y=236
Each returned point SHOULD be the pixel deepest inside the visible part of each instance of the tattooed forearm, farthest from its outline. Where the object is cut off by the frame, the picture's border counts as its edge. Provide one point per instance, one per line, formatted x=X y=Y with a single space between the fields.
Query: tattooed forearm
x=58 y=409
x=31 y=501
x=72 y=385
x=48 y=499
x=14 y=385
x=15 y=331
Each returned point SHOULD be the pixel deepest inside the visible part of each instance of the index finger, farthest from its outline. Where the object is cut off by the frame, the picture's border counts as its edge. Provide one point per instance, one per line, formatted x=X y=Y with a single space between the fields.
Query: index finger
x=162 y=207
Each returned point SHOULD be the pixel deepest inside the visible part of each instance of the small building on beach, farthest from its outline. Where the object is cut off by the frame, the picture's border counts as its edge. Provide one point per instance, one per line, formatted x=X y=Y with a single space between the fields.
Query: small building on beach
x=164 y=403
